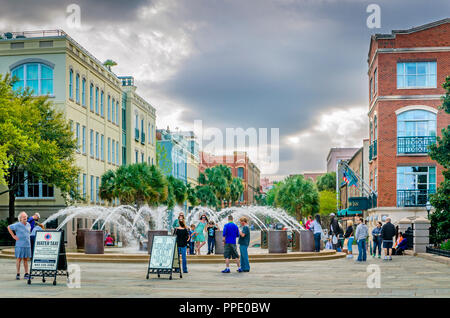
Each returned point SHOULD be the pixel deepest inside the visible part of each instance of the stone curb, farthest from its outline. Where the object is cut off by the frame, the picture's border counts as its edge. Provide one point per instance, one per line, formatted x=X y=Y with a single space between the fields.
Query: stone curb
x=430 y=257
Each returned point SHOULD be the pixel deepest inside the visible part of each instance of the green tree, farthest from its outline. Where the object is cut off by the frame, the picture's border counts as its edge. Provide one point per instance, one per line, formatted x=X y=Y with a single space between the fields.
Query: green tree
x=327 y=182
x=272 y=193
x=298 y=196
x=191 y=195
x=109 y=63
x=236 y=190
x=260 y=198
x=137 y=183
x=206 y=196
x=36 y=138
x=176 y=192
x=327 y=201
x=440 y=219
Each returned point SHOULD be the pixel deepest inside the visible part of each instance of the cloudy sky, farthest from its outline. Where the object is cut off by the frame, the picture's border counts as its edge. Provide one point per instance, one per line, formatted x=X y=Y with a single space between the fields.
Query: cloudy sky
x=296 y=65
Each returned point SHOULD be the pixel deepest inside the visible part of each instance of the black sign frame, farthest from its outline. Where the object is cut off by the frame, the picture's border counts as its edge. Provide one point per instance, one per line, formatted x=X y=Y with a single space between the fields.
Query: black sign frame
x=61 y=263
x=169 y=271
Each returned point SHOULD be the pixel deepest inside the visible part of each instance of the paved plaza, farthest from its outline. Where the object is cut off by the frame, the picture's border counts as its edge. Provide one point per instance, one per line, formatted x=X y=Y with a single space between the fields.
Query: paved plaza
x=405 y=276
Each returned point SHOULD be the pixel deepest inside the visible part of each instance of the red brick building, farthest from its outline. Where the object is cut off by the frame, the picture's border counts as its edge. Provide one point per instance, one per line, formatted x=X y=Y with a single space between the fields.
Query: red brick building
x=241 y=167
x=406 y=71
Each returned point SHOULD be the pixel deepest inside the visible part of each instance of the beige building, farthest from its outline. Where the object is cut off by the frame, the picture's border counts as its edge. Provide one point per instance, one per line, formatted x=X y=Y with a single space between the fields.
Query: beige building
x=98 y=104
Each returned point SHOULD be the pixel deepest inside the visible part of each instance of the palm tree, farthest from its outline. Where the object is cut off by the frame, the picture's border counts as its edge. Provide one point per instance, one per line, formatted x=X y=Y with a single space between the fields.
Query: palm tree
x=236 y=189
x=107 y=190
x=191 y=195
x=109 y=63
x=206 y=196
x=176 y=192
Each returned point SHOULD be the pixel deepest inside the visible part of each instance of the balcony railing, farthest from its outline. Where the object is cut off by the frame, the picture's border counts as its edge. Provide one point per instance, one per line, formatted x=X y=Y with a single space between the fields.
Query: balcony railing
x=414 y=144
x=411 y=198
x=136 y=134
x=373 y=150
x=143 y=138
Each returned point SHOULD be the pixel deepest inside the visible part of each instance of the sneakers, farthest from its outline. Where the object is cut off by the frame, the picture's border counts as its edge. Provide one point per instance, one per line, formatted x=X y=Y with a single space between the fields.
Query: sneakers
x=226 y=270
x=18 y=276
x=390 y=258
x=26 y=276
x=379 y=256
x=239 y=270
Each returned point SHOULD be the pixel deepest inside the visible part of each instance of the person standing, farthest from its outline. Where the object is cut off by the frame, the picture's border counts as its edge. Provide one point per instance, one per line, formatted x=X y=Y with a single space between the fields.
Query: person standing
x=230 y=234
x=244 y=242
x=316 y=228
x=335 y=231
x=182 y=234
x=308 y=222
x=211 y=230
x=176 y=223
x=348 y=236
x=33 y=220
x=200 y=235
x=376 y=240
x=23 y=245
x=191 y=240
x=38 y=227
x=360 y=236
x=387 y=234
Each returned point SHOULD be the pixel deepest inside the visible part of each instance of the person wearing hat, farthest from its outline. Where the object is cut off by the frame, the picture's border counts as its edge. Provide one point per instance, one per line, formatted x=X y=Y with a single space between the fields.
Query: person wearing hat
x=33 y=219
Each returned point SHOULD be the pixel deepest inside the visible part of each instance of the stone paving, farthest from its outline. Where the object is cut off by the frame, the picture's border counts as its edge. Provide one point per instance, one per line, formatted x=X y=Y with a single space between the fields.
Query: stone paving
x=405 y=276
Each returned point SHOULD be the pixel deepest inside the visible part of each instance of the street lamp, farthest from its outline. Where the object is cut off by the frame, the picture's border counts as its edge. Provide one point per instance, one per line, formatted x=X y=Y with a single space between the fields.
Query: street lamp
x=428 y=206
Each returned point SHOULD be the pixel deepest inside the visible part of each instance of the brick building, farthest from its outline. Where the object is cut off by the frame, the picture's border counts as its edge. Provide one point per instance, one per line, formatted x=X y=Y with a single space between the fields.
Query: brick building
x=241 y=167
x=336 y=154
x=406 y=70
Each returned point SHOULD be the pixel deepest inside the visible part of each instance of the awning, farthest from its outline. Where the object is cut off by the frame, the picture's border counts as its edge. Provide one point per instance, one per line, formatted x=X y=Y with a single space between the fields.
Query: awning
x=346 y=212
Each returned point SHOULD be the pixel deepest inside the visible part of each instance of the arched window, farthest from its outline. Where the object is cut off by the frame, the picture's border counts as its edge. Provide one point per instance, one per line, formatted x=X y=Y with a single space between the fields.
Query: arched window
x=371 y=131
x=71 y=84
x=83 y=92
x=375 y=128
x=240 y=172
x=77 y=88
x=91 y=97
x=416 y=123
x=36 y=76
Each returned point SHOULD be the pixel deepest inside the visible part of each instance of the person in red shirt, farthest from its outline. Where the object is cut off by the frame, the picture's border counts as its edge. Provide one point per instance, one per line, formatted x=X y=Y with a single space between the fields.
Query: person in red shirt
x=109 y=241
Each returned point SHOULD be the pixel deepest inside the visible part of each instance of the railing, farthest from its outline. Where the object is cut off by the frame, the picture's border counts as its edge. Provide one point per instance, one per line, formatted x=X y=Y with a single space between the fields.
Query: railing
x=143 y=138
x=412 y=198
x=136 y=134
x=414 y=144
x=437 y=251
x=373 y=150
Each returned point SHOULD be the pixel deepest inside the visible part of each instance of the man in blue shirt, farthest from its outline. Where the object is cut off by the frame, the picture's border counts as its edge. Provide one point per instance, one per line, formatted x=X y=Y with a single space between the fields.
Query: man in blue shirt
x=230 y=234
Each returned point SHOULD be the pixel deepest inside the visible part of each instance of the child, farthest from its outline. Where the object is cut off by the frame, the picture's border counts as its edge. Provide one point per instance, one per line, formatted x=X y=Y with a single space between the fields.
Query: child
x=244 y=242
x=211 y=228
x=23 y=245
x=192 y=236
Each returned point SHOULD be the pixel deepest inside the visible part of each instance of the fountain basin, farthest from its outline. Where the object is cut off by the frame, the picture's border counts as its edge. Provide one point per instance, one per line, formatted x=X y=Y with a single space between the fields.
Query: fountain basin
x=93 y=242
x=278 y=241
x=151 y=234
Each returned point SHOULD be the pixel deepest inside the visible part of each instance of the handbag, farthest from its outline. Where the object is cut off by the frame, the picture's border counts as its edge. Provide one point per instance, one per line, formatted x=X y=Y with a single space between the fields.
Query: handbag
x=334 y=239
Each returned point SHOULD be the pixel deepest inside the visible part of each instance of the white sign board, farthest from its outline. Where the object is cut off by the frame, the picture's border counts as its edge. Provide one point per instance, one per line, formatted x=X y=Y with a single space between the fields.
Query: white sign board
x=46 y=250
x=162 y=253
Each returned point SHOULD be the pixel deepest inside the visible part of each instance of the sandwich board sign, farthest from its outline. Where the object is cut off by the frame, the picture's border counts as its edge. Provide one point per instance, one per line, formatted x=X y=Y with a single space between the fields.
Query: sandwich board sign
x=49 y=256
x=164 y=258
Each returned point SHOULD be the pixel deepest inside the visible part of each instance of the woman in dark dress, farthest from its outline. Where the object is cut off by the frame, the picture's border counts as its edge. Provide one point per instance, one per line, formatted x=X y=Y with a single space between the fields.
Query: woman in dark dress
x=182 y=234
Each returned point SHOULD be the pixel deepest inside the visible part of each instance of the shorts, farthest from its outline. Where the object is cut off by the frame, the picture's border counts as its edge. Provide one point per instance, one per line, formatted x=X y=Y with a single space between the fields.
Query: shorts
x=387 y=244
x=230 y=251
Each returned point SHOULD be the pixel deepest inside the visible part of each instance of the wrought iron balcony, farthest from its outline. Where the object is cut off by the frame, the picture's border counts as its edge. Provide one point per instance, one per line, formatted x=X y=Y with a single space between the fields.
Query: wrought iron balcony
x=412 y=198
x=414 y=144
x=136 y=134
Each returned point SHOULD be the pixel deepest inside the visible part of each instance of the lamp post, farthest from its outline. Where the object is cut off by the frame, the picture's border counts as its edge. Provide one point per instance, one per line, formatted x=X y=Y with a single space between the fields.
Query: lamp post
x=428 y=206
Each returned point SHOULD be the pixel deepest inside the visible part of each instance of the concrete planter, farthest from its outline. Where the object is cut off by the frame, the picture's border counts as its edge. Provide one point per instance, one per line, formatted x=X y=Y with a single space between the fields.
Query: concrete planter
x=218 y=249
x=278 y=241
x=80 y=238
x=306 y=241
x=151 y=234
x=264 y=242
x=93 y=242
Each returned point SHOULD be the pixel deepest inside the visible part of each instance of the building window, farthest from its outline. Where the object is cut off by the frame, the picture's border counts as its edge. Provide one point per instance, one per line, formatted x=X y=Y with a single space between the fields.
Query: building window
x=370 y=88
x=83 y=92
x=91 y=97
x=112 y=110
x=136 y=128
x=416 y=130
x=84 y=185
x=414 y=184
x=142 y=157
x=113 y=152
x=240 y=172
x=375 y=82
x=416 y=75
x=136 y=154
x=91 y=142
x=83 y=144
x=35 y=76
x=96 y=145
x=92 y=188
x=77 y=88
x=71 y=84
x=97 y=181
x=109 y=150
x=375 y=128
x=102 y=113
x=117 y=153
x=117 y=113
x=31 y=187
x=96 y=100
x=108 y=111
x=375 y=180
x=102 y=147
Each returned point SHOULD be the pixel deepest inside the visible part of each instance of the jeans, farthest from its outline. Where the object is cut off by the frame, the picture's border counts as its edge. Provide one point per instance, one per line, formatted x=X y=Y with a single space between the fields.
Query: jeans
x=211 y=244
x=362 y=253
x=192 y=248
x=376 y=244
x=317 y=237
x=350 y=244
x=245 y=265
x=182 y=253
